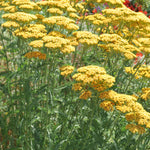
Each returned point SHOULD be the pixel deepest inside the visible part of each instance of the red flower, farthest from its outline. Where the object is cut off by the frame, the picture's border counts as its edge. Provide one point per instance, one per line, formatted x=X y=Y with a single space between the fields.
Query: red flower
x=126 y=2
x=94 y=11
x=139 y=54
x=138 y=57
x=140 y=8
x=145 y=12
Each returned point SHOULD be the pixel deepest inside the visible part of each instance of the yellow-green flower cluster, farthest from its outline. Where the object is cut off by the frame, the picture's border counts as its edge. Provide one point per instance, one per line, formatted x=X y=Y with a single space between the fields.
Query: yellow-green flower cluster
x=145 y=93
x=86 y=37
x=36 y=55
x=143 y=71
x=66 y=70
x=62 y=21
x=92 y=77
x=31 y=31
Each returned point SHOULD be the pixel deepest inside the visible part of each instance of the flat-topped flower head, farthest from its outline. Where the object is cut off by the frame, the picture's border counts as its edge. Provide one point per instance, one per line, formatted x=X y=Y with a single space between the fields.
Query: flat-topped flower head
x=10 y=24
x=36 y=54
x=135 y=128
x=107 y=105
x=31 y=31
x=94 y=77
x=86 y=37
x=20 y=17
x=10 y=9
x=143 y=71
x=145 y=93
x=85 y=95
x=66 y=70
x=36 y=43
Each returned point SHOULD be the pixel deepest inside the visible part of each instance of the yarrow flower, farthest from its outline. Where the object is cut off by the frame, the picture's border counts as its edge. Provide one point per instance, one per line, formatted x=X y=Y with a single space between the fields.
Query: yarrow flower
x=145 y=93
x=66 y=70
x=9 y=24
x=135 y=128
x=142 y=72
x=35 y=55
x=85 y=94
x=86 y=37
x=94 y=77
x=107 y=105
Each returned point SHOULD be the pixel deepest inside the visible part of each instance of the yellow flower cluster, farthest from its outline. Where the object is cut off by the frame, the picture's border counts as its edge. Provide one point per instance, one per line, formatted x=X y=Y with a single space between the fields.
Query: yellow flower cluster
x=80 y=7
x=73 y=41
x=35 y=55
x=58 y=42
x=115 y=43
x=86 y=37
x=135 y=128
x=122 y=101
x=56 y=34
x=97 y=19
x=31 y=31
x=20 y=17
x=145 y=93
x=77 y=87
x=117 y=3
x=93 y=77
x=55 y=11
x=26 y=5
x=4 y=4
x=127 y=16
x=9 y=24
x=62 y=21
x=62 y=4
x=85 y=94
x=36 y=43
x=143 y=71
x=127 y=104
x=144 y=44
x=107 y=105
x=66 y=70
x=10 y=9
x=74 y=16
